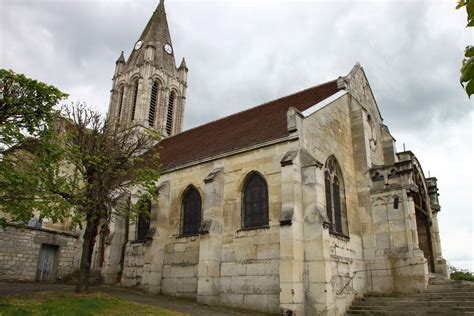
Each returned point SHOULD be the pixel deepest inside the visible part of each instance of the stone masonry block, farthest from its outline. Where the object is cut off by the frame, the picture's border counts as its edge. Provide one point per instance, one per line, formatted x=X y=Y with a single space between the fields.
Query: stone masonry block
x=243 y=284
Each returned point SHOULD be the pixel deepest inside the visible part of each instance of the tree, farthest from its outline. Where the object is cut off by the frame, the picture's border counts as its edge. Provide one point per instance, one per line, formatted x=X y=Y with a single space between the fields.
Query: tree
x=26 y=107
x=106 y=161
x=467 y=69
x=79 y=172
x=27 y=114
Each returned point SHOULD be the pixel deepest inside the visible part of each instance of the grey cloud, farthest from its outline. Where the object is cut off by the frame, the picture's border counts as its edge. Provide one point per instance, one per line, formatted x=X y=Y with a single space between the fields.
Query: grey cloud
x=243 y=54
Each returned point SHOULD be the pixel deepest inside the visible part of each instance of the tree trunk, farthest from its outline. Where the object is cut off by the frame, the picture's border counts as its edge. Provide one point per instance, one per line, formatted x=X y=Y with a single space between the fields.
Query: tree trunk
x=86 y=257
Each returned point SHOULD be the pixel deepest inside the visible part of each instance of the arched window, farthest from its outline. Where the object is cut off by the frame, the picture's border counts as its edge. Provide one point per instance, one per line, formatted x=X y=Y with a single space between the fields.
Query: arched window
x=120 y=102
x=143 y=221
x=169 y=114
x=134 y=98
x=191 y=212
x=255 y=202
x=335 y=197
x=153 y=100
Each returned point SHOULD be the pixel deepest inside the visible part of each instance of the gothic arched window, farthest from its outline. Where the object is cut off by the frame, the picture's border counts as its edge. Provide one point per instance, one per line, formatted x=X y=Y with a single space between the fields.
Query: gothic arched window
x=153 y=101
x=134 y=98
x=143 y=221
x=255 y=202
x=191 y=212
x=335 y=197
x=120 y=102
x=169 y=114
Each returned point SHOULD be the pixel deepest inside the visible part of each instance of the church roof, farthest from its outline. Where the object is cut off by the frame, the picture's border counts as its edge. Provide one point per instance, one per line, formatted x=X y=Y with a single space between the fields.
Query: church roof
x=254 y=126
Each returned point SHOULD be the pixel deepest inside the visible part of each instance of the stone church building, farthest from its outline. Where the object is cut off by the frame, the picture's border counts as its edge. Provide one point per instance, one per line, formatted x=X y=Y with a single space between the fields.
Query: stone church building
x=299 y=204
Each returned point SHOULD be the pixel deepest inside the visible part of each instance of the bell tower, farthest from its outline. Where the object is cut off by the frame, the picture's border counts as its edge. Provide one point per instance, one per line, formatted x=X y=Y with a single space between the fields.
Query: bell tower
x=148 y=89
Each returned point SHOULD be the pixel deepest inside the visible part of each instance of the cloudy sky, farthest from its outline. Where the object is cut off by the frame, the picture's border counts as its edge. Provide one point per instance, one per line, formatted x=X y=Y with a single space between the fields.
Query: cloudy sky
x=241 y=54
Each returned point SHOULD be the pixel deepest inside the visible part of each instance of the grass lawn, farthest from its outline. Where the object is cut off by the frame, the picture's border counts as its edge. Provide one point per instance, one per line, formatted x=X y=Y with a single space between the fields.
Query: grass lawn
x=49 y=303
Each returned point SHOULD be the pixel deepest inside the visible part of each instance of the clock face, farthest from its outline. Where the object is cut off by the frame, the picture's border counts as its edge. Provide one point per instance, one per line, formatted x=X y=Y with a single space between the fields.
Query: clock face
x=138 y=45
x=168 y=49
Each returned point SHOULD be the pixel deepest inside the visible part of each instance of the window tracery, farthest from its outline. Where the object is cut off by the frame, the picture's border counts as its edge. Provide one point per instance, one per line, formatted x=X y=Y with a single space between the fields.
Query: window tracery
x=335 y=197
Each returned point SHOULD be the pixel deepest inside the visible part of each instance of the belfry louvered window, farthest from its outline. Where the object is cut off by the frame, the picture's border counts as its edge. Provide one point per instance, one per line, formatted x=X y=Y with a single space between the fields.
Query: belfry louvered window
x=134 y=99
x=191 y=212
x=153 y=100
x=169 y=114
x=335 y=197
x=255 y=202
x=143 y=221
x=120 y=102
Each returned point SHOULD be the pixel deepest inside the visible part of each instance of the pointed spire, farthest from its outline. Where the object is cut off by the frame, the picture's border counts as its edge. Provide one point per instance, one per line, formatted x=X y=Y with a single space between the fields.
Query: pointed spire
x=156 y=35
x=157 y=27
x=121 y=59
x=183 y=65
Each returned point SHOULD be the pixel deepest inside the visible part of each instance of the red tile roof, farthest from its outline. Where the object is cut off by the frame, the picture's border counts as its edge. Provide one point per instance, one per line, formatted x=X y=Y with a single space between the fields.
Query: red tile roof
x=250 y=127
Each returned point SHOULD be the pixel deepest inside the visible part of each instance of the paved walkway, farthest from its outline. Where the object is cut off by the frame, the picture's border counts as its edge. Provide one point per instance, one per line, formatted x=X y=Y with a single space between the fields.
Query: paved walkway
x=186 y=306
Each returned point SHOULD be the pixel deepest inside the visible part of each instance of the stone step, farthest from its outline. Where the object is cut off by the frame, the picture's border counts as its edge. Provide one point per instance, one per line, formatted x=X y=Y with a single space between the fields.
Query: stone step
x=450 y=287
x=445 y=282
x=420 y=309
x=405 y=302
x=407 y=313
x=426 y=296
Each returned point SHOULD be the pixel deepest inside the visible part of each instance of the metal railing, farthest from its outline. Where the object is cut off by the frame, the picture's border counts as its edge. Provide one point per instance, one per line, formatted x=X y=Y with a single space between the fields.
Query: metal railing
x=379 y=269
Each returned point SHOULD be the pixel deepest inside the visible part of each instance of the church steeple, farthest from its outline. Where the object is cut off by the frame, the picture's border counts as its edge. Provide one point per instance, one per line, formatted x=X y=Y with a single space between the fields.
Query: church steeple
x=148 y=89
x=155 y=35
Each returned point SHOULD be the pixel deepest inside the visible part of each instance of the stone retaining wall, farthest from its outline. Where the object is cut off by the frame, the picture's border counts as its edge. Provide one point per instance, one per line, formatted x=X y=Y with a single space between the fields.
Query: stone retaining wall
x=20 y=249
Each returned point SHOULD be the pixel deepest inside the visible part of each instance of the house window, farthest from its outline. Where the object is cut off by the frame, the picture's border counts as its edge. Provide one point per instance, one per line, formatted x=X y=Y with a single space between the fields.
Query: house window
x=335 y=197
x=120 y=102
x=255 y=202
x=191 y=212
x=134 y=99
x=169 y=115
x=143 y=221
x=153 y=100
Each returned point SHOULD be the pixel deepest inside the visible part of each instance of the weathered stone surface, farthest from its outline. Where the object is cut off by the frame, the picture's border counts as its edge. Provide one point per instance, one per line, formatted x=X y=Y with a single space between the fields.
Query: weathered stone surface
x=300 y=261
x=20 y=250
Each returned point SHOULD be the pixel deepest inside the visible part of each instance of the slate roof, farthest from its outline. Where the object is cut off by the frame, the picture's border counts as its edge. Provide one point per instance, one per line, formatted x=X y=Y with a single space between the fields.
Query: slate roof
x=254 y=126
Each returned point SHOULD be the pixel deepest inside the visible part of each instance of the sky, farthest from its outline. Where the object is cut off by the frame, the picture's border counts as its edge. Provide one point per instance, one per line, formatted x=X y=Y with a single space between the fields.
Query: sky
x=243 y=53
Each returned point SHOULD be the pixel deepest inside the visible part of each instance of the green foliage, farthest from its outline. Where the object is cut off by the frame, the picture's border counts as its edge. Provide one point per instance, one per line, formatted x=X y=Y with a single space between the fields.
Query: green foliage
x=83 y=169
x=27 y=114
x=26 y=107
x=462 y=275
x=467 y=69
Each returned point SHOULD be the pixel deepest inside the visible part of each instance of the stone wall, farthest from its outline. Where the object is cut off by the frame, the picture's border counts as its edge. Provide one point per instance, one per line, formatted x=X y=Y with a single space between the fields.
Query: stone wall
x=180 y=268
x=328 y=132
x=225 y=265
x=20 y=248
x=133 y=265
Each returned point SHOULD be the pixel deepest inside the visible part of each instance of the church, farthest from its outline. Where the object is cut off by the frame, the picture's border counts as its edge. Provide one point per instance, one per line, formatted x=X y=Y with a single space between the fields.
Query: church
x=298 y=205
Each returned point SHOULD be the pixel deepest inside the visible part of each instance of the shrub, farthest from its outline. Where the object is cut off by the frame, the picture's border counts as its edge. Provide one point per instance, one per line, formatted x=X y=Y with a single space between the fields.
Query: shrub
x=460 y=275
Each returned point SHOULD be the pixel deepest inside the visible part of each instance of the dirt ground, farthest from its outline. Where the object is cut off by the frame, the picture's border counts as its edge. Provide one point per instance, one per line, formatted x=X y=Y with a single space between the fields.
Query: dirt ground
x=186 y=306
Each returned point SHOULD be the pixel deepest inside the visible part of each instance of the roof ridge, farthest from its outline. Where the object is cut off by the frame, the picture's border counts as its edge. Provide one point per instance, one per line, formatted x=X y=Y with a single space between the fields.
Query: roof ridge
x=249 y=109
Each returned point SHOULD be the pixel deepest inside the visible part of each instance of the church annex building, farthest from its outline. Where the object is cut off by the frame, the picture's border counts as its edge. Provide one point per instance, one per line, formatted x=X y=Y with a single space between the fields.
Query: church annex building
x=300 y=204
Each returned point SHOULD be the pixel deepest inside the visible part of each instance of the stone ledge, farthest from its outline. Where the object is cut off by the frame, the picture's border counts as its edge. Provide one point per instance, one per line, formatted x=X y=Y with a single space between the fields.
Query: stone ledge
x=45 y=230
